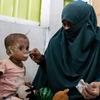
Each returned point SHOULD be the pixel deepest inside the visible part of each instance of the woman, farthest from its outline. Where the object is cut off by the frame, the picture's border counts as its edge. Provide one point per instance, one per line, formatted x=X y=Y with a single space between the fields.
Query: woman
x=73 y=54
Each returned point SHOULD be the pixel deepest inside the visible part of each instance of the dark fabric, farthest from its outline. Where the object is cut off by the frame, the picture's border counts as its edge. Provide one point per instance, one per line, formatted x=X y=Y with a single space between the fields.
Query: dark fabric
x=72 y=54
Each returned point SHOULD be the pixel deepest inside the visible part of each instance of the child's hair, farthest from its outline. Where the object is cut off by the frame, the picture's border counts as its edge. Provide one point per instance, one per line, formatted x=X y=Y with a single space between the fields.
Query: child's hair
x=11 y=39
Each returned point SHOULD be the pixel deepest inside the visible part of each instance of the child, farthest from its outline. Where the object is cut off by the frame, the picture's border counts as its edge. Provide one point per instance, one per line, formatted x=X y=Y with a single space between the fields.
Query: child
x=12 y=70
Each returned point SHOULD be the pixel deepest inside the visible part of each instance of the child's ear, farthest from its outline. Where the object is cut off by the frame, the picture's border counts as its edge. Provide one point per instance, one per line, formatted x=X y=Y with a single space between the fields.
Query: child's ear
x=9 y=52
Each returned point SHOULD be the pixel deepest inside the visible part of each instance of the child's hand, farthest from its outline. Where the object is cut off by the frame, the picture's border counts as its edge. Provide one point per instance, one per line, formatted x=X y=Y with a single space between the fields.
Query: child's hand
x=36 y=55
x=28 y=84
x=21 y=91
x=31 y=93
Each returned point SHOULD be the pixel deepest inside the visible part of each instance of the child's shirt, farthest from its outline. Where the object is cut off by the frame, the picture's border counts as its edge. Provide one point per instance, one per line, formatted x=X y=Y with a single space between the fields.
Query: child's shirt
x=12 y=78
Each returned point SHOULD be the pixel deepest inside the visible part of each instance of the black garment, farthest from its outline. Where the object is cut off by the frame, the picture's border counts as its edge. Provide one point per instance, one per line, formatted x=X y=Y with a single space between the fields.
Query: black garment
x=72 y=54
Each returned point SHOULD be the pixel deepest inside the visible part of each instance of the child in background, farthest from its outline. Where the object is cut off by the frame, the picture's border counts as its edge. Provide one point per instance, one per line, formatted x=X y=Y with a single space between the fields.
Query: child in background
x=12 y=70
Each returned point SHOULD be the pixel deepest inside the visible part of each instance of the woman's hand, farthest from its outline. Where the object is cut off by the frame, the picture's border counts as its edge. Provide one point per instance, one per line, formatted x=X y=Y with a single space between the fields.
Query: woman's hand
x=91 y=91
x=36 y=55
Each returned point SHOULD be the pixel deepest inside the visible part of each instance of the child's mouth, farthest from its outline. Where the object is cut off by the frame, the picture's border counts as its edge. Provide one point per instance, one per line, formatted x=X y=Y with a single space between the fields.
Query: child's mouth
x=27 y=54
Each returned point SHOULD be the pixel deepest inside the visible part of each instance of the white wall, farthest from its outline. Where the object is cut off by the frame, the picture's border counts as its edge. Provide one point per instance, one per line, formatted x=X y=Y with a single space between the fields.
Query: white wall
x=51 y=17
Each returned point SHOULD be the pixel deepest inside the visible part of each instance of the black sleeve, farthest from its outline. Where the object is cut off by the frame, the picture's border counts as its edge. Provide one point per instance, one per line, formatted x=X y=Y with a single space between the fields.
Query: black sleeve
x=43 y=63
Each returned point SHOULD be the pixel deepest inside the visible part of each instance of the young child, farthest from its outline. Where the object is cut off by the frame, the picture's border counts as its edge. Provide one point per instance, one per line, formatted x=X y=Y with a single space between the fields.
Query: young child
x=12 y=70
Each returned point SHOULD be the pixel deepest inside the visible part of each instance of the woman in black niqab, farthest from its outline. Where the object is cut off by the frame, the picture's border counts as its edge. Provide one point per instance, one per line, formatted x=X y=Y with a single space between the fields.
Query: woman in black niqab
x=73 y=52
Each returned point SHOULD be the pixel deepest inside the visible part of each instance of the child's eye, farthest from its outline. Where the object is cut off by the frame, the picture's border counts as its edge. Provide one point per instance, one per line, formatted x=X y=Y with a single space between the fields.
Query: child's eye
x=20 y=48
x=27 y=48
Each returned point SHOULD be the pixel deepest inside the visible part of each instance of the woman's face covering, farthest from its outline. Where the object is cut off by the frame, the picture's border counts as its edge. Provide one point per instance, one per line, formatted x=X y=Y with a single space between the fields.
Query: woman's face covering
x=74 y=13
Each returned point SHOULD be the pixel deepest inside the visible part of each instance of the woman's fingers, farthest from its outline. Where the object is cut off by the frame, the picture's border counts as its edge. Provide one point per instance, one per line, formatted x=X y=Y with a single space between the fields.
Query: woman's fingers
x=88 y=93
x=35 y=55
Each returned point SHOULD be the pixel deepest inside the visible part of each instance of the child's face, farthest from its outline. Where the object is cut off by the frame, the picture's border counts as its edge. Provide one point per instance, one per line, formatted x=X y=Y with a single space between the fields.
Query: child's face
x=20 y=49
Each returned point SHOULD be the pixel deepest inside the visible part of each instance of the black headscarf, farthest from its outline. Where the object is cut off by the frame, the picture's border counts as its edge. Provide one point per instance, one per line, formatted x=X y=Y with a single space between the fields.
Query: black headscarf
x=72 y=54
